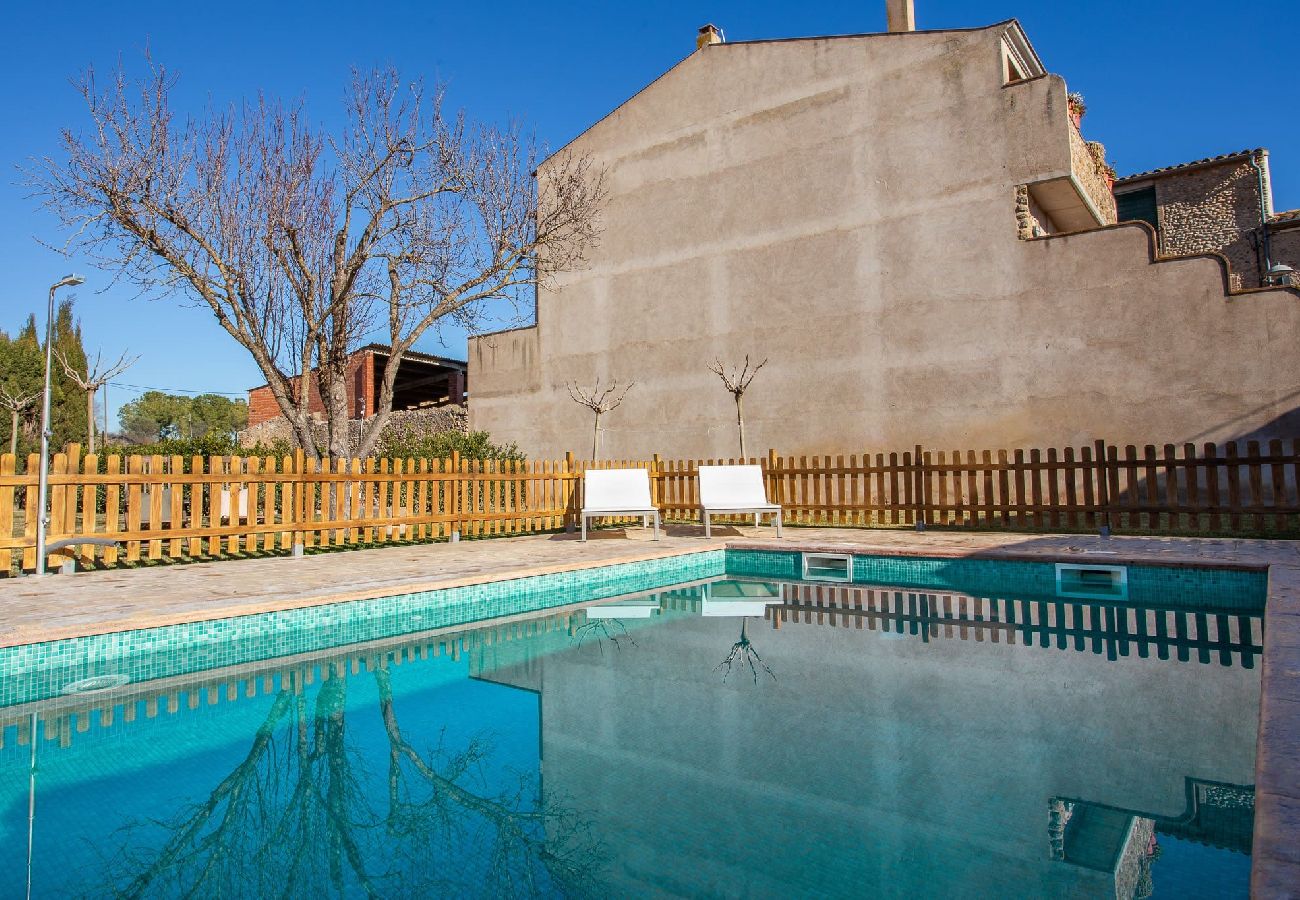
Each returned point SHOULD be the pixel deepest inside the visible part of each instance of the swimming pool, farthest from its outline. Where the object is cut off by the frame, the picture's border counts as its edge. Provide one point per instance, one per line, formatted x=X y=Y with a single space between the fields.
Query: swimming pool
x=720 y=726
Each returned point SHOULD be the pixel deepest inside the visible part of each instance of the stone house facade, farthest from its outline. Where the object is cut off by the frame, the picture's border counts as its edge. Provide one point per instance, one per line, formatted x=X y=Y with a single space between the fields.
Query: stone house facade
x=1221 y=204
x=903 y=224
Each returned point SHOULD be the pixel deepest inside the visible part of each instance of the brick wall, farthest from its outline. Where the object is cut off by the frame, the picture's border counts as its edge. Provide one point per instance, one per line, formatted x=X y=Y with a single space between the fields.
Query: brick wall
x=261 y=405
x=1211 y=208
x=360 y=381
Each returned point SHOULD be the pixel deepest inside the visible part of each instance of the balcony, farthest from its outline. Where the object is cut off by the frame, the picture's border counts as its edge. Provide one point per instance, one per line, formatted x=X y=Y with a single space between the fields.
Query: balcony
x=1068 y=182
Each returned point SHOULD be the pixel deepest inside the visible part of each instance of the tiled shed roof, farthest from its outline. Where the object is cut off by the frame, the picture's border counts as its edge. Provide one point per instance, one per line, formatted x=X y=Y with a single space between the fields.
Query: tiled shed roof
x=1164 y=170
x=1286 y=215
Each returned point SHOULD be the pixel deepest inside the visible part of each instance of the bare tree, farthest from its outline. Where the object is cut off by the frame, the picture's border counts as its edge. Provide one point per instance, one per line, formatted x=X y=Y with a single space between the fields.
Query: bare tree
x=94 y=379
x=304 y=243
x=16 y=402
x=736 y=380
x=599 y=402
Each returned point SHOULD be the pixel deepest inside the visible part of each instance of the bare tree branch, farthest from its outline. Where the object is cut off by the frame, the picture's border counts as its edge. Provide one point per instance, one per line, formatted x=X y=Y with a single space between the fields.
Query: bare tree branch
x=599 y=402
x=16 y=402
x=744 y=651
x=736 y=381
x=97 y=375
x=302 y=243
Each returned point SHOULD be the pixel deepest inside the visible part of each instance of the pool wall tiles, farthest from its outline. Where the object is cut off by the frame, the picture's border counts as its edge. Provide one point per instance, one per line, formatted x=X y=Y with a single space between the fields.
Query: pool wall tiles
x=43 y=669
x=36 y=671
x=1194 y=588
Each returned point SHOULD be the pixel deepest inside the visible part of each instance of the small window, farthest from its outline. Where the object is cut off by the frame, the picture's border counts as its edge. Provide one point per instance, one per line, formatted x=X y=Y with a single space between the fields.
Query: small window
x=1138 y=206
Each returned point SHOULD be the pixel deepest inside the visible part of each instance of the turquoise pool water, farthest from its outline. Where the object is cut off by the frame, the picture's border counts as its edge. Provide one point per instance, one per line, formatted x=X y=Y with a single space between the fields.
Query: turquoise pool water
x=718 y=728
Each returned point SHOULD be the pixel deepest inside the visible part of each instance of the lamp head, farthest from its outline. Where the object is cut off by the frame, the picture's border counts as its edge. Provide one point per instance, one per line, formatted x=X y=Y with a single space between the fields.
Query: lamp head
x=1280 y=274
x=71 y=280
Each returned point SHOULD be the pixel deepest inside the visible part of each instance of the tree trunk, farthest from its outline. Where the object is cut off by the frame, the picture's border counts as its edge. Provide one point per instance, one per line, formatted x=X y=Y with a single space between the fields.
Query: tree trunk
x=13 y=433
x=90 y=421
x=595 y=440
x=740 y=426
x=383 y=405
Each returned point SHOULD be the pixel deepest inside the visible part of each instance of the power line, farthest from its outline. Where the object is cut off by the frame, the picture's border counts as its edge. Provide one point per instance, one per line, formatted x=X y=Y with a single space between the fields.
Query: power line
x=174 y=390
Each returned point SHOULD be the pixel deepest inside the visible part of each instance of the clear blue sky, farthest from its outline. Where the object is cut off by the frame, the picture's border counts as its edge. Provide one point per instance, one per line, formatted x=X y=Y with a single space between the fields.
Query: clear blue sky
x=1166 y=81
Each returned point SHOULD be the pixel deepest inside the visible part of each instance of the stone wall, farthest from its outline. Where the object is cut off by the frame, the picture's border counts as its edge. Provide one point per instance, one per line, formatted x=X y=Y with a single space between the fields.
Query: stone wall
x=402 y=424
x=1087 y=171
x=1212 y=208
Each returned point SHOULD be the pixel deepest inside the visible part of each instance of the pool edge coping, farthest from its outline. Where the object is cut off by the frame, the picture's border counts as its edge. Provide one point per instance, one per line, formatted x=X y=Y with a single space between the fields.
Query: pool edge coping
x=375 y=590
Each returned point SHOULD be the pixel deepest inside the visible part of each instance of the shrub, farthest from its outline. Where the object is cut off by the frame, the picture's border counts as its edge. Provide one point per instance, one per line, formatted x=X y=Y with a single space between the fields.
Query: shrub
x=471 y=445
x=208 y=445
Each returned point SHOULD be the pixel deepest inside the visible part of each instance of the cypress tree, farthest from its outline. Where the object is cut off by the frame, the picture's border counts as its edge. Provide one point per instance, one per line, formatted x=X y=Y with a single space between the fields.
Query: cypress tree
x=67 y=400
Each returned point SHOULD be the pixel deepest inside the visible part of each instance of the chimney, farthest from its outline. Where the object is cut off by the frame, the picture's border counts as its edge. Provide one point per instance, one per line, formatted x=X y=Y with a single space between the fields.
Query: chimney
x=709 y=34
x=900 y=15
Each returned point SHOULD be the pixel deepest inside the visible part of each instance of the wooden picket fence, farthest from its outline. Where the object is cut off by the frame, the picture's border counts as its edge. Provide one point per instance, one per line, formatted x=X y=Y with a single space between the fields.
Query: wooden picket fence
x=160 y=508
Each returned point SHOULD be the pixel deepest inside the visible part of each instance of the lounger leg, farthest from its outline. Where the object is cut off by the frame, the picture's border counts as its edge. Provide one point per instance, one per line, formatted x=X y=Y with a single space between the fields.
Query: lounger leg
x=708 y=528
x=778 y=523
x=645 y=521
x=584 y=529
x=656 y=537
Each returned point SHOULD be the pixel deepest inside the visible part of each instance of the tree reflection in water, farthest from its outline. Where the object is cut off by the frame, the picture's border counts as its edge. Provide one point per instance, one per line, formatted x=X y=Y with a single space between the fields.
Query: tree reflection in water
x=599 y=630
x=305 y=811
x=743 y=653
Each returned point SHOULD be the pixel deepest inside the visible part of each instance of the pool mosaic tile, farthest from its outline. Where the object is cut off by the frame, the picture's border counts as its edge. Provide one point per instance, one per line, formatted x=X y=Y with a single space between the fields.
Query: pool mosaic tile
x=36 y=671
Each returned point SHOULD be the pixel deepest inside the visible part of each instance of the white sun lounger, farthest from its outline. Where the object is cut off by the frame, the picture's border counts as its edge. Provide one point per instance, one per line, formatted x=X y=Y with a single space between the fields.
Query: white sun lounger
x=617 y=492
x=734 y=489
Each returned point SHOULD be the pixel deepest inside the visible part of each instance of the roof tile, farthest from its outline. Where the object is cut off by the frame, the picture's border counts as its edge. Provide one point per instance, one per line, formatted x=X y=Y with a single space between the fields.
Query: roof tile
x=1223 y=157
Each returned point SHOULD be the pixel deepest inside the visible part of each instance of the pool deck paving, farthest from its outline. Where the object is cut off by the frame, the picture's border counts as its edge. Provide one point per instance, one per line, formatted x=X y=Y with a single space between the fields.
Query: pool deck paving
x=98 y=602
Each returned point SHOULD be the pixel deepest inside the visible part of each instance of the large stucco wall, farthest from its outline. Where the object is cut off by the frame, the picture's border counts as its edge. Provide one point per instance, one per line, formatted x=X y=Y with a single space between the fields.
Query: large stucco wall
x=845 y=208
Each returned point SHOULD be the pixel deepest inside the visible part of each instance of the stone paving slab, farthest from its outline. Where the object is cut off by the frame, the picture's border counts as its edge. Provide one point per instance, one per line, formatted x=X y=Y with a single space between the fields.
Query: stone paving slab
x=98 y=602
x=101 y=602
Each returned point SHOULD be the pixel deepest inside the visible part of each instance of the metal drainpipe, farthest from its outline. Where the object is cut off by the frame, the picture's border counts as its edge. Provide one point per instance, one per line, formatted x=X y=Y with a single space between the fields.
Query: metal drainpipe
x=1263 y=220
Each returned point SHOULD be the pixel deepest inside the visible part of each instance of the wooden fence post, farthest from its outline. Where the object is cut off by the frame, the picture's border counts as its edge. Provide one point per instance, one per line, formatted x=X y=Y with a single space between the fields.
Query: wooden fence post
x=1103 y=488
x=773 y=482
x=56 y=529
x=298 y=507
x=570 y=492
x=656 y=488
x=457 y=495
x=922 y=485
x=8 y=467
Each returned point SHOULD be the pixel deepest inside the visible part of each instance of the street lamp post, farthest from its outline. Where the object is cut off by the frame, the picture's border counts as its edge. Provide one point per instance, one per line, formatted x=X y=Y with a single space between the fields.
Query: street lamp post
x=42 y=520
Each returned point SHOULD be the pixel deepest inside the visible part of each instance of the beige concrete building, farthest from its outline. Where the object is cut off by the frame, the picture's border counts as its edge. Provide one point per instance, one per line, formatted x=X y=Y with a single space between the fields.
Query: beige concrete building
x=909 y=227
